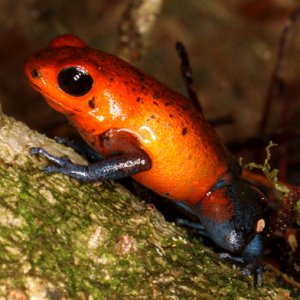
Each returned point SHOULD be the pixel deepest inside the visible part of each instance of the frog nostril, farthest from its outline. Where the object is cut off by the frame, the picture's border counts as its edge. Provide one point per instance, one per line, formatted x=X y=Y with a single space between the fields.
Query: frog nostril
x=35 y=73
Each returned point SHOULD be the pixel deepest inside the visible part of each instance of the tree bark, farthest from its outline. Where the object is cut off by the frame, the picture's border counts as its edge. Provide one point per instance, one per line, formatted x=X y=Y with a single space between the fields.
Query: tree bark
x=62 y=239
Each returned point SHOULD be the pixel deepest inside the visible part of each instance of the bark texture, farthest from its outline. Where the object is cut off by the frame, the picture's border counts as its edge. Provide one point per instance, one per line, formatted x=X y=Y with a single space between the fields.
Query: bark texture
x=61 y=239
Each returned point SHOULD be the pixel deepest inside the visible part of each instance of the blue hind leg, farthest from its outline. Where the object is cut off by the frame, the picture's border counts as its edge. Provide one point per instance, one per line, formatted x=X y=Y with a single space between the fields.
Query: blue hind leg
x=193 y=225
x=188 y=210
x=251 y=259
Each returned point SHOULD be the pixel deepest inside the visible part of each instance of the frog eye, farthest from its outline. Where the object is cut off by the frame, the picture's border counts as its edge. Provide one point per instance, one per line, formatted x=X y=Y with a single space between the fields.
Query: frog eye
x=75 y=81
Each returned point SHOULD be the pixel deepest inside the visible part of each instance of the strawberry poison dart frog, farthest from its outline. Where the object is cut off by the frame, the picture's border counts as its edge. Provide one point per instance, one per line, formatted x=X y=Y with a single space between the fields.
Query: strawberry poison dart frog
x=147 y=131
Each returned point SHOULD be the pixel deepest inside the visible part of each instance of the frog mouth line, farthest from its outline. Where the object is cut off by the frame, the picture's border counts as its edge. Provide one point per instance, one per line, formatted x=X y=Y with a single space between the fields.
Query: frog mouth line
x=45 y=94
x=35 y=86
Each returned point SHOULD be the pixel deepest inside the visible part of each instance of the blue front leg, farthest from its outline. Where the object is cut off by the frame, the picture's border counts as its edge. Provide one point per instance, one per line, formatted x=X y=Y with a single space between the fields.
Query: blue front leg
x=111 y=168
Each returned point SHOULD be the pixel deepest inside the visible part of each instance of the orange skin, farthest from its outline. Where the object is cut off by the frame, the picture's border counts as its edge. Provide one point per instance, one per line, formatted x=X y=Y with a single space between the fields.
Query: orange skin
x=186 y=154
x=150 y=132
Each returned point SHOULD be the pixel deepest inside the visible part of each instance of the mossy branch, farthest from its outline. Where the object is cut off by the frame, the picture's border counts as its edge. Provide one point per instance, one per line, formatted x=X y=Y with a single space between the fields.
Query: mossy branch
x=60 y=239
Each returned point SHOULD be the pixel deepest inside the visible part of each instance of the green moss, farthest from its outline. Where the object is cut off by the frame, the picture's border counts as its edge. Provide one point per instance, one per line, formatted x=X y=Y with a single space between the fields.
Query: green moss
x=98 y=240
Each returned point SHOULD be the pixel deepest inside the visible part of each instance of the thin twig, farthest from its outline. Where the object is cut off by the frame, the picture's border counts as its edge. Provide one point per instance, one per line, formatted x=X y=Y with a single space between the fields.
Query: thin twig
x=187 y=75
x=276 y=81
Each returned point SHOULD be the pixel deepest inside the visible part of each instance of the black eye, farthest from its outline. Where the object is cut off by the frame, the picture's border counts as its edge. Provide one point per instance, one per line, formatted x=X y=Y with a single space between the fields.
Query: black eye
x=75 y=81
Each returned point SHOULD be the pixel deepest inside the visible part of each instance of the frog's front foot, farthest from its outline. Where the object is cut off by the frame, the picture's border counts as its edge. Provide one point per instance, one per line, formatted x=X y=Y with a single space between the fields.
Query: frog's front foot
x=60 y=161
x=62 y=165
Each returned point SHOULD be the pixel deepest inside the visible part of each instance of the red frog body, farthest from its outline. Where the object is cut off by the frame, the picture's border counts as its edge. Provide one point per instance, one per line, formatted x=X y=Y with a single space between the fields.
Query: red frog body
x=149 y=132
